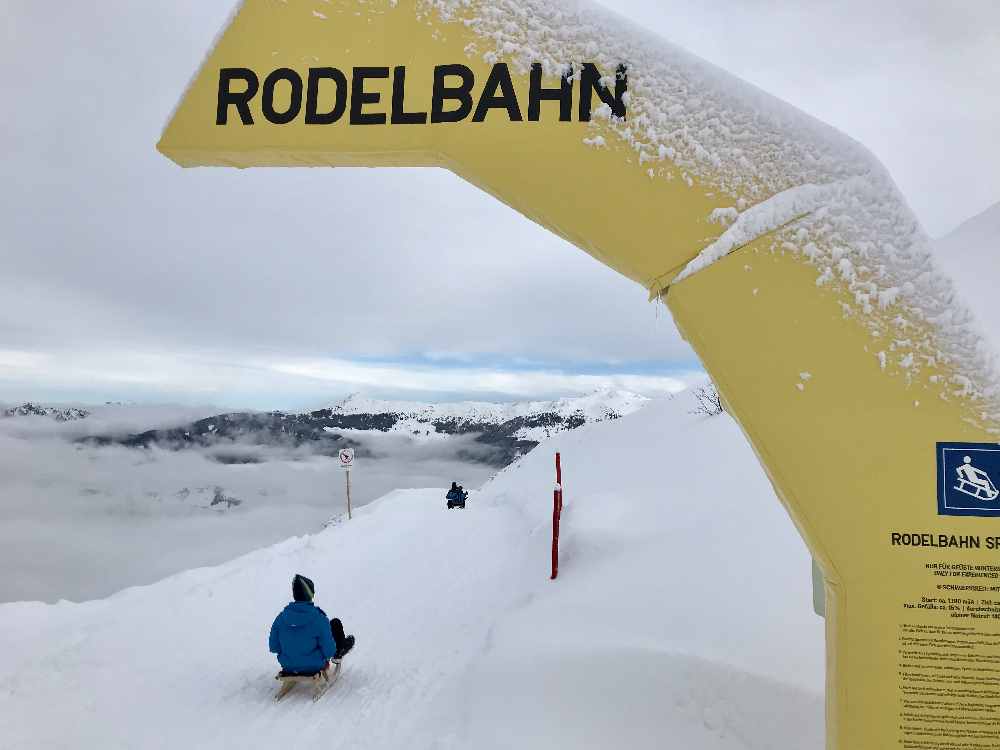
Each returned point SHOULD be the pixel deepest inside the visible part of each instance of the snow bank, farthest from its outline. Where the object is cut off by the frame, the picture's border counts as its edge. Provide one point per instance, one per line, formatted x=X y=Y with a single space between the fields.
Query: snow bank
x=682 y=614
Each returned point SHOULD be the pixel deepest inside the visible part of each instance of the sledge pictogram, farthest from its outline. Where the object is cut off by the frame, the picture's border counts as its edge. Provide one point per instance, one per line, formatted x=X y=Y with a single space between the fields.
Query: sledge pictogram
x=975 y=482
x=967 y=479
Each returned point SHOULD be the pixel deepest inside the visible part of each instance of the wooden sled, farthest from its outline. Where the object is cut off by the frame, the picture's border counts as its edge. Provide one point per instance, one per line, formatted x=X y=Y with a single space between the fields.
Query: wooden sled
x=320 y=682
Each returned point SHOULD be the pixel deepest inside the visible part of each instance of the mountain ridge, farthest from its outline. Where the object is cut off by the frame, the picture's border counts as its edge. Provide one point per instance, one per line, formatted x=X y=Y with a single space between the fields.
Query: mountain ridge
x=30 y=409
x=509 y=430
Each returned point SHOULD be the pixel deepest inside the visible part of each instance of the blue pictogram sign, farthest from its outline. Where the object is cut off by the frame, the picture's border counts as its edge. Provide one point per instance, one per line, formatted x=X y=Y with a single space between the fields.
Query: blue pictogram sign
x=968 y=474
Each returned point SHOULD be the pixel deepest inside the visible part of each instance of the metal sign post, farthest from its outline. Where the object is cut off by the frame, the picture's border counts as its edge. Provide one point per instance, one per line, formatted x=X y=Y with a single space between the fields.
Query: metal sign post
x=557 y=505
x=347 y=463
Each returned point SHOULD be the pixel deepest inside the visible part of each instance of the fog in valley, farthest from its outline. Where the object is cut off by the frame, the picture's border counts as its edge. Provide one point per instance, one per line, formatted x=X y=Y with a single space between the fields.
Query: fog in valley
x=81 y=522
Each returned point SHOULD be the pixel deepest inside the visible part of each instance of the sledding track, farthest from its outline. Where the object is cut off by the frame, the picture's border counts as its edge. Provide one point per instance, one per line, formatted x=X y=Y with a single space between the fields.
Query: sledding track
x=462 y=640
x=402 y=581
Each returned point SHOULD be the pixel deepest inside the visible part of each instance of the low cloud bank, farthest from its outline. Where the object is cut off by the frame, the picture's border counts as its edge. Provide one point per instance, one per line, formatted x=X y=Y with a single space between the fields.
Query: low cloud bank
x=81 y=522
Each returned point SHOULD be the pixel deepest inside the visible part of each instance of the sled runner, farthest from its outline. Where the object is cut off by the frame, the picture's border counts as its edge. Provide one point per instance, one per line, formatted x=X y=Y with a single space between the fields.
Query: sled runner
x=975 y=482
x=320 y=682
x=979 y=491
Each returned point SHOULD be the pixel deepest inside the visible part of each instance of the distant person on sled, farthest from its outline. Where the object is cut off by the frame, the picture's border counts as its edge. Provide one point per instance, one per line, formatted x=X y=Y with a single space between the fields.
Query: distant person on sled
x=303 y=638
x=456 y=496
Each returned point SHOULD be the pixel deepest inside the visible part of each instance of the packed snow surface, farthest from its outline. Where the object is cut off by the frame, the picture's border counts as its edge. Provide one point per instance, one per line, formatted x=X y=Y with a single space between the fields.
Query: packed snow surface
x=681 y=616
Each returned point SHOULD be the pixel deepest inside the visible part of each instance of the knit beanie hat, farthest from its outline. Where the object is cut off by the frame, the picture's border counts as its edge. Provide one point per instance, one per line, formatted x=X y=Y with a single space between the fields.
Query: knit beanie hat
x=303 y=590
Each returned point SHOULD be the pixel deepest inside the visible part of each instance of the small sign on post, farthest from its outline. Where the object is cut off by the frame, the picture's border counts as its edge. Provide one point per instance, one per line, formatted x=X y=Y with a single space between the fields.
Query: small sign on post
x=347 y=463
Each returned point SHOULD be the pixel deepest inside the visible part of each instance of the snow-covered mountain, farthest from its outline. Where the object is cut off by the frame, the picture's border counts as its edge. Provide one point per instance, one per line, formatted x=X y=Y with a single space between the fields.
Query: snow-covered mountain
x=29 y=409
x=531 y=420
x=971 y=255
x=508 y=430
x=681 y=618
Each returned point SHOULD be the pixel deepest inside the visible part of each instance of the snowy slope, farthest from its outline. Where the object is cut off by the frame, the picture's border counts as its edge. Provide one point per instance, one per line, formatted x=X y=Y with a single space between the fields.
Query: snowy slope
x=507 y=429
x=681 y=618
x=598 y=406
x=594 y=406
x=971 y=254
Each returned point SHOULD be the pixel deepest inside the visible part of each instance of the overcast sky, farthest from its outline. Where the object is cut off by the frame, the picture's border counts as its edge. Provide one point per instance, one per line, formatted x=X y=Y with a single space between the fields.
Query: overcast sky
x=124 y=277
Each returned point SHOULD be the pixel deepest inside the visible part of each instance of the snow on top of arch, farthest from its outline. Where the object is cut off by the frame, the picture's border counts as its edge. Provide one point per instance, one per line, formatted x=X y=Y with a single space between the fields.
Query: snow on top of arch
x=718 y=127
x=815 y=191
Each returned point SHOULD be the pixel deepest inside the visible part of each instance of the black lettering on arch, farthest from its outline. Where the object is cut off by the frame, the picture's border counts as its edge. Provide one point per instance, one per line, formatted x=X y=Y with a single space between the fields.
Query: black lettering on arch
x=239 y=99
x=313 y=115
x=399 y=114
x=499 y=80
x=537 y=94
x=461 y=93
x=294 y=102
x=360 y=97
x=590 y=81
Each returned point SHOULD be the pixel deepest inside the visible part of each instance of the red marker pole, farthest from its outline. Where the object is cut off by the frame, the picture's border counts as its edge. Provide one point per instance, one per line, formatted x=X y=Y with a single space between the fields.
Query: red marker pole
x=557 y=502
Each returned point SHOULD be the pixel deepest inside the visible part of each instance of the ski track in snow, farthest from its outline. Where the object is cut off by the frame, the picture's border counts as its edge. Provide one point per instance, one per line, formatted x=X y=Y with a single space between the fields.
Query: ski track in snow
x=660 y=628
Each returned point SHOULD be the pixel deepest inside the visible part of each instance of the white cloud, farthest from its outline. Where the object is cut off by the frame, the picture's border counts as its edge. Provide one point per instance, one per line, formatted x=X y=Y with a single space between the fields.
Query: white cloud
x=230 y=380
x=79 y=522
x=116 y=263
x=13 y=362
x=519 y=383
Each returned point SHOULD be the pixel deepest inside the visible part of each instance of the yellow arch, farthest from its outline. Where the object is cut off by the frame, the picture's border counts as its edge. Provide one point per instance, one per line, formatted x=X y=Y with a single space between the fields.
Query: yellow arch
x=784 y=251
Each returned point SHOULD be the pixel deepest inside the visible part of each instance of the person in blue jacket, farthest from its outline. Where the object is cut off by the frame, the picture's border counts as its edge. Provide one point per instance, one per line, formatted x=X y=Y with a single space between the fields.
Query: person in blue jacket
x=302 y=637
x=456 y=496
